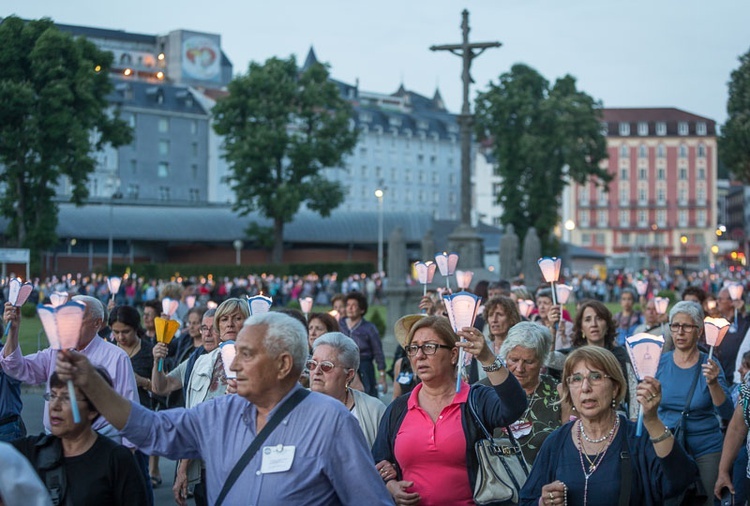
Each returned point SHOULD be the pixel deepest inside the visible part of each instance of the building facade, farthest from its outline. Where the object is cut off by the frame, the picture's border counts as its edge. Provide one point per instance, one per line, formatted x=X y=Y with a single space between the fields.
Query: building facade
x=660 y=208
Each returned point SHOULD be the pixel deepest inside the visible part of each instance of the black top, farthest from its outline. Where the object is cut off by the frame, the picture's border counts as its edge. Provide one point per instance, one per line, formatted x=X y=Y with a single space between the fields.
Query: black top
x=142 y=363
x=106 y=474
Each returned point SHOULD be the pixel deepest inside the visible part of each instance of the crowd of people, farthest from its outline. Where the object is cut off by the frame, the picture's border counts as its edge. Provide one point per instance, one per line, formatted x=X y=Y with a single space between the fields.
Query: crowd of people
x=307 y=411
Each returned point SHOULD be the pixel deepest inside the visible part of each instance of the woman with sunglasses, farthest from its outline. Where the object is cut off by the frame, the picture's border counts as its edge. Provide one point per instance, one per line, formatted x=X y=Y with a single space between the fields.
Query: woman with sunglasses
x=442 y=469
x=678 y=371
x=333 y=366
x=598 y=459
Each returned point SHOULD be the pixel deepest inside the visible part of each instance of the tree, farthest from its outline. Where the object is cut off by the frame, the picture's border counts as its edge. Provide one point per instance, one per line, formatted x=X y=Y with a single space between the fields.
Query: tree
x=281 y=128
x=541 y=138
x=734 y=142
x=54 y=116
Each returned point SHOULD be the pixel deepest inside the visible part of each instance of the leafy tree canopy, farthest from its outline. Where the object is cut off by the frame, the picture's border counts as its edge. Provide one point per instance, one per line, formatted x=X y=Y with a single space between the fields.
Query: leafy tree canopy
x=541 y=137
x=734 y=143
x=53 y=117
x=281 y=128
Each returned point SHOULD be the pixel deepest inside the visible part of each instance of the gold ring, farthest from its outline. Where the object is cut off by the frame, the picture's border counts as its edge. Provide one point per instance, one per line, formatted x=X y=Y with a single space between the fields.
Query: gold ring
x=551 y=497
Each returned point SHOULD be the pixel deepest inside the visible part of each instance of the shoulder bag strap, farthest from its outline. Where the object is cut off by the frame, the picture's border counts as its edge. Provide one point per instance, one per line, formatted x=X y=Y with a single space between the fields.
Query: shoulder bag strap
x=691 y=392
x=284 y=410
x=626 y=477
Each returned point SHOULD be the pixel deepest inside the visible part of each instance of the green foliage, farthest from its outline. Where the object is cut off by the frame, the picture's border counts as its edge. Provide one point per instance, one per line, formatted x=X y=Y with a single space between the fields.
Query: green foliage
x=541 y=136
x=281 y=128
x=166 y=271
x=52 y=119
x=669 y=294
x=28 y=311
x=734 y=143
x=378 y=320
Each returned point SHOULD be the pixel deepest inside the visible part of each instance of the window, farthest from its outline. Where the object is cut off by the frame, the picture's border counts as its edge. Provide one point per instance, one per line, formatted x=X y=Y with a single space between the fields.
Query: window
x=420 y=159
x=624 y=128
x=452 y=197
x=194 y=127
x=625 y=238
x=194 y=171
x=642 y=128
x=163 y=170
x=164 y=193
x=642 y=195
x=407 y=175
x=642 y=151
x=660 y=151
x=604 y=128
x=131 y=120
x=642 y=219
x=624 y=152
x=194 y=194
x=682 y=173
x=661 y=174
x=586 y=239
x=661 y=217
x=661 y=195
x=435 y=178
x=422 y=176
x=624 y=218
x=624 y=194
x=701 y=218
x=602 y=219
x=683 y=151
x=661 y=128
x=583 y=218
x=601 y=196
x=452 y=179
x=682 y=196
x=378 y=172
x=163 y=147
x=433 y=159
x=194 y=148
x=701 y=151
x=599 y=238
x=682 y=218
x=643 y=173
x=700 y=128
x=421 y=196
x=700 y=195
x=701 y=174
x=133 y=166
x=133 y=190
x=364 y=171
x=583 y=195
x=682 y=128
x=624 y=173
x=163 y=125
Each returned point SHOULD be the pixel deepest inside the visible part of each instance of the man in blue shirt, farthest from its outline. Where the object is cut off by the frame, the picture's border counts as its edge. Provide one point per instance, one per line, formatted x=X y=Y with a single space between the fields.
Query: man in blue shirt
x=11 y=424
x=316 y=455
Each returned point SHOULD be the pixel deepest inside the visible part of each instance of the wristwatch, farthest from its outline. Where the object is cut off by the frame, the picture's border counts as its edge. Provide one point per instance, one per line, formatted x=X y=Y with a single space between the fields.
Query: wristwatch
x=494 y=366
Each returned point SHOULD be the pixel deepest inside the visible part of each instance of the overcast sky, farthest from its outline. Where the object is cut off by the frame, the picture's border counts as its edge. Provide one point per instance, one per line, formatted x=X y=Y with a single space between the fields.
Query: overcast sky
x=635 y=53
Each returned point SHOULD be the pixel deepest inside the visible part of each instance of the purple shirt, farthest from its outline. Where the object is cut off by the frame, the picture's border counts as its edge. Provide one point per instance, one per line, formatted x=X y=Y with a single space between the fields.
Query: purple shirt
x=37 y=368
x=367 y=337
x=332 y=463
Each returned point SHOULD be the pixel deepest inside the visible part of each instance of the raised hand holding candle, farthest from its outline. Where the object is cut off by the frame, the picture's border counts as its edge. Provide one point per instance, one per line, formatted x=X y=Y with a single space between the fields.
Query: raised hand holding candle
x=645 y=351
x=462 y=310
x=18 y=294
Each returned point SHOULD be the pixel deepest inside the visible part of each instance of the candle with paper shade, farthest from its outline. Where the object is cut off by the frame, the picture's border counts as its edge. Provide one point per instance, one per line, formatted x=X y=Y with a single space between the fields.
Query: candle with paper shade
x=306 y=304
x=463 y=279
x=462 y=310
x=425 y=273
x=259 y=304
x=62 y=325
x=165 y=331
x=446 y=264
x=169 y=306
x=641 y=287
x=212 y=304
x=525 y=306
x=550 y=267
x=228 y=352
x=715 y=329
x=645 y=351
x=18 y=294
x=57 y=299
x=335 y=314
x=661 y=304
x=735 y=293
x=113 y=284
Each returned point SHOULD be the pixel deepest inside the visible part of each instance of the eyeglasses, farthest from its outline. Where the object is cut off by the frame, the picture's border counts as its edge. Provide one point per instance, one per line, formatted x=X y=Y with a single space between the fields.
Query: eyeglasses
x=205 y=329
x=595 y=378
x=50 y=397
x=427 y=348
x=325 y=366
x=685 y=327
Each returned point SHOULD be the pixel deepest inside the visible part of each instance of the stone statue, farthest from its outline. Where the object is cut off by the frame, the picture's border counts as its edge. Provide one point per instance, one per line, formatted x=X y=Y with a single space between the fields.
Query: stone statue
x=532 y=251
x=397 y=262
x=428 y=247
x=509 y=254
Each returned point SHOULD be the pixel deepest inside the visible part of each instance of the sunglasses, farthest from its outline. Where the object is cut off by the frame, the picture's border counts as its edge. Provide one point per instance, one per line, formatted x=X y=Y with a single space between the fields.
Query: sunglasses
x=325 y=365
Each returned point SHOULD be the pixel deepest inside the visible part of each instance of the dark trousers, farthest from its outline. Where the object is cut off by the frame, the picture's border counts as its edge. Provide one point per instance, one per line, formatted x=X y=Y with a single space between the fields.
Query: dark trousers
x=367 y=375
x=199 y=492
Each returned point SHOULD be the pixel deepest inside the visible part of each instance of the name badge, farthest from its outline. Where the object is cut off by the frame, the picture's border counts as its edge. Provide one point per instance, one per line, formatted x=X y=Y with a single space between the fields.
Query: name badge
x=277 y=459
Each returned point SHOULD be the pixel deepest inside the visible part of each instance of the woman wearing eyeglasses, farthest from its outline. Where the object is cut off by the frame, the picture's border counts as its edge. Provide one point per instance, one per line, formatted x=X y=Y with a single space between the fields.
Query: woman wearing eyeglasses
x=428 y=435
x=678 y=371
x=598 y=460
x=333 y=366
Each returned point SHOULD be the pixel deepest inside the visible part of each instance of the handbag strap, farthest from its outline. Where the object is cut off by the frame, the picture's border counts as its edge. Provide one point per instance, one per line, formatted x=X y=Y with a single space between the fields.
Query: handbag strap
x=691 y=392
x=626 y=478
x=283 y=411
x=487 y=435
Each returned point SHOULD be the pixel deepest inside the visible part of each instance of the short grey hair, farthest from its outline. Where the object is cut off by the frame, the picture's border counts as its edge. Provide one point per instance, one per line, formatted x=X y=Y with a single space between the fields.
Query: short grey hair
x=690 y=308
x=528 y=335
x=344 y=345
x=94 y=306
x=284 y=334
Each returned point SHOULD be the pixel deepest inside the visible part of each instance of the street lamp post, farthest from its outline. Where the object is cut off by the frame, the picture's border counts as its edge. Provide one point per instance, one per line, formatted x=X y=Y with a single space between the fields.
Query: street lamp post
x=237 y=251
x=379 y=196
x=110 y=246
x=683 y=241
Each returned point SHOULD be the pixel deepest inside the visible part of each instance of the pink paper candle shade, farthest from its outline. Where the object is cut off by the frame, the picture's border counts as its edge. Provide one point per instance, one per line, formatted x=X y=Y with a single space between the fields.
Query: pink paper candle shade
x=563 y=293
x=446 y=263
x=645 y=351
x=661 y=304
x=228 y=352
x=57 y=299
x=169 y=306
x=18 y=292
x=462 y=309
x=735 y=291
x=716 y=329
x=641 y=287
x=62 y=324
x=425 y=271
x=306 y=304
x=259 y=304
x=463 y=279
x=525 y=306
x=550 y=267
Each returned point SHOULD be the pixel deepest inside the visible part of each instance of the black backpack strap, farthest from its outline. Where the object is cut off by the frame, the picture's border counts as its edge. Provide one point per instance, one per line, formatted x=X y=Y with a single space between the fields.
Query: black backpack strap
x=283 y=411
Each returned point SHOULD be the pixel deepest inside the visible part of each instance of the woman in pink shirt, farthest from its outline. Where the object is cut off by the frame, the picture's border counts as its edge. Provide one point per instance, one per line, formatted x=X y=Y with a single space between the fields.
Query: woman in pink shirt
x=428 y=435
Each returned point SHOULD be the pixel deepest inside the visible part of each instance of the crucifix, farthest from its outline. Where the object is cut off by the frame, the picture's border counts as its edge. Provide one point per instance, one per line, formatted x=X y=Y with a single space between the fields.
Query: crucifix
x=467 y=51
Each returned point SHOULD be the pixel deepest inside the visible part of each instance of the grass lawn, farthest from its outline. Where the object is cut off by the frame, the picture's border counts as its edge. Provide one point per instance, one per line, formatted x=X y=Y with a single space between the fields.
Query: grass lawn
x=31 y=337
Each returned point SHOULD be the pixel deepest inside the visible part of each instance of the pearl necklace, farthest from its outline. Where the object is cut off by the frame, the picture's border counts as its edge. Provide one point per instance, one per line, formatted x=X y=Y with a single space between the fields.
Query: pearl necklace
x=601 y=439
x=593 y=466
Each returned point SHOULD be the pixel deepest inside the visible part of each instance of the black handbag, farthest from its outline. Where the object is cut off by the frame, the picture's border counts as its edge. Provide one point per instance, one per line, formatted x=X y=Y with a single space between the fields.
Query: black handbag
x=502 y=468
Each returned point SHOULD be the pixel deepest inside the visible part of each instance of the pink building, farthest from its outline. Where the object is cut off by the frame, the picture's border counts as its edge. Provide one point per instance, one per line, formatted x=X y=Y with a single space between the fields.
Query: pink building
x=661 y=203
